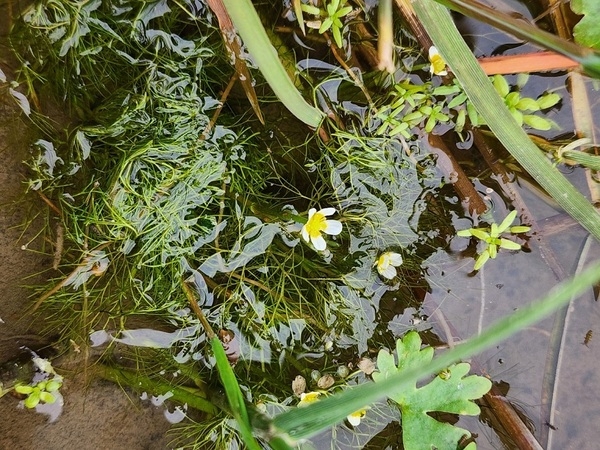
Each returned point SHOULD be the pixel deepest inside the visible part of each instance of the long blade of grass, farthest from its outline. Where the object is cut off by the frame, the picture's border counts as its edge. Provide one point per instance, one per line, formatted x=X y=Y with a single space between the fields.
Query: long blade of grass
x=264 y=55
x=437 y=21
x=233 y=392
x=588 y=58
x=302 y=423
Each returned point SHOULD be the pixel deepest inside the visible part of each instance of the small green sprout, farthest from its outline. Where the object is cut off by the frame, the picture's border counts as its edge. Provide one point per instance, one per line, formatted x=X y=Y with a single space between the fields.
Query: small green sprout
x=40 y=392
x=491 y=236
x=333 y=13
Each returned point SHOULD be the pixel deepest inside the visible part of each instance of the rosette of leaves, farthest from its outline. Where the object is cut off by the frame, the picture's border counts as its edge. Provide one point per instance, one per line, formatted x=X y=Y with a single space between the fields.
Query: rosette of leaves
x=333 y=14
x=492 y=238
x=521 y=108
x=411 y=105
x=452 y=393
x=41 y=392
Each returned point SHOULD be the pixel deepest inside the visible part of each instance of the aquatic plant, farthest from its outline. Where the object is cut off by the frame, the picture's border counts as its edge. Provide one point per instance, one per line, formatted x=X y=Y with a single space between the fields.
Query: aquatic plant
x=452 y=393
x=181 y=209
x=333 y=13
x=491 y=237
x=317 y=224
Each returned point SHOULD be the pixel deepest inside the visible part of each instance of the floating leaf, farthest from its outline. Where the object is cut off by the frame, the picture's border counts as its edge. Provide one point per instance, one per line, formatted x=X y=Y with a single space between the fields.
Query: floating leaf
x=548 y=100
x=454 y=395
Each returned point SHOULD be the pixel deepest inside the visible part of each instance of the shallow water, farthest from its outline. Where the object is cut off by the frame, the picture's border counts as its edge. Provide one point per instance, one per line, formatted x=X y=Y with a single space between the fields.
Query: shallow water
x=468 y=303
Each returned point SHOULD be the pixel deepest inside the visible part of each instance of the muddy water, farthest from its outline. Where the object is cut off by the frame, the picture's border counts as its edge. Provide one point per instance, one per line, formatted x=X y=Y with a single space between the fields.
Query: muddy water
x=96 y=415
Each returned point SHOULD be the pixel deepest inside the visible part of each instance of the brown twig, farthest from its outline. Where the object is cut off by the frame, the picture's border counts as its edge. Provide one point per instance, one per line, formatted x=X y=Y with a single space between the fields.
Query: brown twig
x=232 y=42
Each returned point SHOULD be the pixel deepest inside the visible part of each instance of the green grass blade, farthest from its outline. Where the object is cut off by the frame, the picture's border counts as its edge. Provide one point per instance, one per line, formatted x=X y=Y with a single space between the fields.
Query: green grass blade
x=583 y=158
x=302 y=423
x=234 y=394
x=437 y=21
x=264 y=55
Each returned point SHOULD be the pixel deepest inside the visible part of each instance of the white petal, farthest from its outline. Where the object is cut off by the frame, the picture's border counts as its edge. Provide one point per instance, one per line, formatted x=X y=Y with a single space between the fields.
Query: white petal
x=328 y=211
x=319 y=243
x=395 y=259
x=389 y=272
x=354 y=420
x=433 y=51
x=311 y=212
x=334 y=227
x=305 y=235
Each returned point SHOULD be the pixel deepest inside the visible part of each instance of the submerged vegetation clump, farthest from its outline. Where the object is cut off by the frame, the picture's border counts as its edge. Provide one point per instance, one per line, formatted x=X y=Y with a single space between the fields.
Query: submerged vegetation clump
x=263 y=252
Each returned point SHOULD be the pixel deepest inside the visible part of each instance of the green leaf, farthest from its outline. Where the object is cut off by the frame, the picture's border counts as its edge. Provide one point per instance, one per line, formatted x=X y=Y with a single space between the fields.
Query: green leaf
x=507 y=222
x=494 y=230
x=548 y=100
x=33 y=399
x=446 y=90
x=23 y=389
x=501 y=85
x=47 y=397
x=310 y=9
x=537 y=122
x=587 y=31
x=458 y=100
x=344 y=11
x=248 y=24
x=480 y=234
x=519 y=229
x=492 y=250
x=53 y=385
x=337 y=36
x=509 y=245
x=234 y=394
x=528 y=104
x=452 y=394
x=583 y=158
x=481 y=260
x=512 y=99
x=325 y=25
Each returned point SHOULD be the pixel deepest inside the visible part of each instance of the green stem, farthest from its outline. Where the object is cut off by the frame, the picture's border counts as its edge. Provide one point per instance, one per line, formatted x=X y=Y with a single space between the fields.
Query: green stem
x=194 y=397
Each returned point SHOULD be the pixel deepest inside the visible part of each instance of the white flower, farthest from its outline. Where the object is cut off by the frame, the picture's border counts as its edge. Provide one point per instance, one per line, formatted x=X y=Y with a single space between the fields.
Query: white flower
x=308 y=398
x=356 y=417
x=317 y=224
x=387 y=263
x=438 y=65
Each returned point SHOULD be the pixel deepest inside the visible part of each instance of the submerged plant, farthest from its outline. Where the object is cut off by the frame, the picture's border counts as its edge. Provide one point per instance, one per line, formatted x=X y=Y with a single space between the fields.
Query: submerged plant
x=162 y=185
x=493 y=240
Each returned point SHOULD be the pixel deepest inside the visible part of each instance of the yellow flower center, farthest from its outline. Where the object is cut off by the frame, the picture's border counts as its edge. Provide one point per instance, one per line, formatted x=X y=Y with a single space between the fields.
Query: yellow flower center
x=438 y=64
x=384 y=261
x=316 y=225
